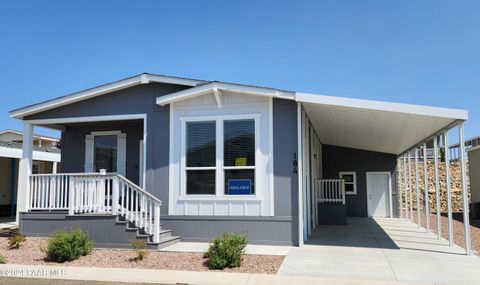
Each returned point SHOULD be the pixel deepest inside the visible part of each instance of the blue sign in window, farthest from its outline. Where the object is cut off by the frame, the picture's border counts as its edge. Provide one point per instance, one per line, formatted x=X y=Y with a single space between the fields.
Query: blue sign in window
x=239 y=186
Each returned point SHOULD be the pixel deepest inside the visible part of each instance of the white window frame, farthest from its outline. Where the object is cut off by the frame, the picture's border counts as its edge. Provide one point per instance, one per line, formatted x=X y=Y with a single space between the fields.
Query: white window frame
x=354 y=183
x=219 y=167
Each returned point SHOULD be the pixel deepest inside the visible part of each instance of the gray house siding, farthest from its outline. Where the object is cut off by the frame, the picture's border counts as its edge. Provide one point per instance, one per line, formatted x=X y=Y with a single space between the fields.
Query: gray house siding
x=280 y=229
x=73 y=145
x=336 y=159
x=134 y=100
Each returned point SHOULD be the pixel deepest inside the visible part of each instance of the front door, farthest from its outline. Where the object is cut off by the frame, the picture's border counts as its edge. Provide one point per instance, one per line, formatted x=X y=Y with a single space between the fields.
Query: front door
x=378 y=191
x=106 y=150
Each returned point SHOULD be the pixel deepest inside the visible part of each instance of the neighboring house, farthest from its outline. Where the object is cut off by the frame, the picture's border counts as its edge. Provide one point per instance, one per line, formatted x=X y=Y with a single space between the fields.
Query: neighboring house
x=45 y=155
x=191 y=158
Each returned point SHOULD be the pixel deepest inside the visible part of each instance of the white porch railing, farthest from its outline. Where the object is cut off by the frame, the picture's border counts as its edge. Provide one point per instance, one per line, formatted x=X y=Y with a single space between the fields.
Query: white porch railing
x=330 y=191
x=94 y=193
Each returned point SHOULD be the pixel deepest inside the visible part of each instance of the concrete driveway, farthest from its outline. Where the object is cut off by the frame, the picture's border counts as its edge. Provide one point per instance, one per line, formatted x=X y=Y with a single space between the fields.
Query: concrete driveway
x=384 y=249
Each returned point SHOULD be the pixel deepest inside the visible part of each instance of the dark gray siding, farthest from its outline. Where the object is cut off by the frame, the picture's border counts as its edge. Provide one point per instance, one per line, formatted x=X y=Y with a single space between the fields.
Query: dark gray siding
x=73 y=145
x=104 y=230
x=337 y=159
x=260 y=230
x=284 y=153
x=135 y=100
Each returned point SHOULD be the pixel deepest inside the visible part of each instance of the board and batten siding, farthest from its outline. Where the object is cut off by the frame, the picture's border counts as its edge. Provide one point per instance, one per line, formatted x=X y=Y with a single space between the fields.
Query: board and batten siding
x=233 y=106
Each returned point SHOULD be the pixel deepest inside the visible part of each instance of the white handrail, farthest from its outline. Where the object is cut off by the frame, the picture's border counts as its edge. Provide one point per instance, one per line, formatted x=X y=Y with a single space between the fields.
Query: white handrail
x=330 y=191
x=96 y=193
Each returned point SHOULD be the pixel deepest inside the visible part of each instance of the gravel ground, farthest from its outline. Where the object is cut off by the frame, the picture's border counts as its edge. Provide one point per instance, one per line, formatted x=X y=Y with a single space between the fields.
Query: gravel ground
x=30 y=253
x=458 y=231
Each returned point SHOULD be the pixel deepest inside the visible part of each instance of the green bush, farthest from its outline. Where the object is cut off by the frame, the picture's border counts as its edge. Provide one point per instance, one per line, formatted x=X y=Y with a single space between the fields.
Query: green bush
x=68 y=245
x=3 y=259
x=14 y=242
x=226 y=250
x=140 y=248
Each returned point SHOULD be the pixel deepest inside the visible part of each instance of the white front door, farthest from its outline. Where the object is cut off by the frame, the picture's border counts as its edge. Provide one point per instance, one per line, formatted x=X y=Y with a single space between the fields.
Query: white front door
x=378 y=192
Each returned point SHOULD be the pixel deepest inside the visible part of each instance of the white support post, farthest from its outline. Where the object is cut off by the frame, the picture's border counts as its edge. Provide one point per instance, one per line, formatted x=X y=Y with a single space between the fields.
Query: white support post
x=437 y=187
x=405 y=185
x=425 y=188
x=71 y=196
x=410 y=188
x=54 y=167
x=466 y=216
x=400 y=186
x=449 y=195
x=156 y=223
x=25 y=170
x=115 y=195
x=300 y=172
x=417 y=190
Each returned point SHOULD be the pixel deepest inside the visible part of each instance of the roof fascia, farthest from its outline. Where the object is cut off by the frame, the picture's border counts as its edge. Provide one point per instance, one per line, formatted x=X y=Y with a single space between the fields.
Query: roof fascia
x=456 y=114
x=220 y=86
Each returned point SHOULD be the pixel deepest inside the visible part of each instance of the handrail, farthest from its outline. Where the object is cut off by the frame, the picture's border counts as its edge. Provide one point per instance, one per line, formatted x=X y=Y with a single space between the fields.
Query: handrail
x=331 y=191
x=139 y=189
x=95 y=193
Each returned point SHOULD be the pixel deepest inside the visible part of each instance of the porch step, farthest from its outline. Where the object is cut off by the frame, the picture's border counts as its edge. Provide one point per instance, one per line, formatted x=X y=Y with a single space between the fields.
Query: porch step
x=166 y=238
x=166 y=241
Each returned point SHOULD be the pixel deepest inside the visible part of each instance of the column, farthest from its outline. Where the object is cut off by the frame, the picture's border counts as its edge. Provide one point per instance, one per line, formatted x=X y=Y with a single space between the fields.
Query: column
x=25 y=170
x=466 y=220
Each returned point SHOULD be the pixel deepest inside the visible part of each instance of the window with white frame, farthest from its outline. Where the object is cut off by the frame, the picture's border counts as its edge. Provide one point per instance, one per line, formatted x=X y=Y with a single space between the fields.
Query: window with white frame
x=224 y=167
x=350 y=178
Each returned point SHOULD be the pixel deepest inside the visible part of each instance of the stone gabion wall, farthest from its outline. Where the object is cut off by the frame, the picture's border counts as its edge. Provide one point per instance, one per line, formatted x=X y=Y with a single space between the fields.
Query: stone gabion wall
x=455 y=188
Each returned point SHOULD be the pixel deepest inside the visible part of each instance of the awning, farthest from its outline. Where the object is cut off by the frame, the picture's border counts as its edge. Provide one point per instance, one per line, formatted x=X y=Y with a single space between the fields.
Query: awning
x=375 y=125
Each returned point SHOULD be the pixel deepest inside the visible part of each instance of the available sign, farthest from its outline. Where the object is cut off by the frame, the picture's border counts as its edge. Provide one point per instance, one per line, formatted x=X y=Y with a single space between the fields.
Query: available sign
x=239 y=186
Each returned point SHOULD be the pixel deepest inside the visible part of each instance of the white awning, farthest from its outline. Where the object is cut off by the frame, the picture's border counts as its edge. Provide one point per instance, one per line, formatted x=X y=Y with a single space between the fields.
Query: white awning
x=375 y=125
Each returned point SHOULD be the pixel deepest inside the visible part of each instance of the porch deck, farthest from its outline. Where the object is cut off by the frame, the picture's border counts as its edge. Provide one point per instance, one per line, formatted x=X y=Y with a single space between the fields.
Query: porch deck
x=386 y=249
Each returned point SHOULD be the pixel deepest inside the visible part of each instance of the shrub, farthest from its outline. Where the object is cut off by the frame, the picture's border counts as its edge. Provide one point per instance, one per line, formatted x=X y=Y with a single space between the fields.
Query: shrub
x=14 y=242
x=140 y=248
x=68 y=245
x=226 y=250
x=3 y=260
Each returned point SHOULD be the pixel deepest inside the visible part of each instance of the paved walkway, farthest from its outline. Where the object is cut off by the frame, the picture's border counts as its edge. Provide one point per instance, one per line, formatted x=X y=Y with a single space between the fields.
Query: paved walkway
x=250 y=249
x=382 y=249
x=48 y=275
x=7 y=223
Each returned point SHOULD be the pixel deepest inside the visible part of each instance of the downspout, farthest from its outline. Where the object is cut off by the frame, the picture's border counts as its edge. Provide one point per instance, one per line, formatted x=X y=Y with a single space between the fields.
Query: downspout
x=13 y=179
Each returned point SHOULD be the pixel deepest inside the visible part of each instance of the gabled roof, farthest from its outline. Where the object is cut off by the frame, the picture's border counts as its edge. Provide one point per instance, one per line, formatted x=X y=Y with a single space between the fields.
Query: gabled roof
x=215 y=86
x=143 y=78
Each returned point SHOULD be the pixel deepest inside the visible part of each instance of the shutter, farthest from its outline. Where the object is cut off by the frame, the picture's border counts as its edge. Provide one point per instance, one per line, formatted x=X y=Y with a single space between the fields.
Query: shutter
x=89 y=153
x=122 y=154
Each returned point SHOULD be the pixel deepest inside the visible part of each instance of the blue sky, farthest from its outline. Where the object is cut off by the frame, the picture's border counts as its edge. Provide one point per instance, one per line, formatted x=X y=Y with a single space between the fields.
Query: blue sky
x=421 y=52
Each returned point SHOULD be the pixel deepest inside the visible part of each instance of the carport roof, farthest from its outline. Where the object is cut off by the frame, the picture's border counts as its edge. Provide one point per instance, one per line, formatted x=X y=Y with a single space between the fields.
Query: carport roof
x=375 y=125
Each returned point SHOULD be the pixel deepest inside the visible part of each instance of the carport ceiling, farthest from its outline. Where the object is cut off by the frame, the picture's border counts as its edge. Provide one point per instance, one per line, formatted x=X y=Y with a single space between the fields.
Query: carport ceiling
x=373 y=125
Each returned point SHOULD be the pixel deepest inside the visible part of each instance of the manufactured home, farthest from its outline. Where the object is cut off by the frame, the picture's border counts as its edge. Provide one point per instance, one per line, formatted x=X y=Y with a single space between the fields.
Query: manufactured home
x=167 y=159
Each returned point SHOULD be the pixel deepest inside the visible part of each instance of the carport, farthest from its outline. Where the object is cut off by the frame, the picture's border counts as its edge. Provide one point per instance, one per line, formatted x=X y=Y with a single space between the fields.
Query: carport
x=381 y=249
x=393 y=130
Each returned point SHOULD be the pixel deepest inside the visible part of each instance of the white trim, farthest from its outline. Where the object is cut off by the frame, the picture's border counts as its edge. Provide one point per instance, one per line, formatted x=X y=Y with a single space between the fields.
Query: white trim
x=170 y=162
x=37 y=155
x=300 y=174
x=354 y=173
x=141 y=172
x=219 y=164
x=101 y=90
x=271 y=175
x=389 y=202
x=218 y=97
x=106 y=133
x=382 y=106
x=473 y=148
x=220 y=86
x=86 y=119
